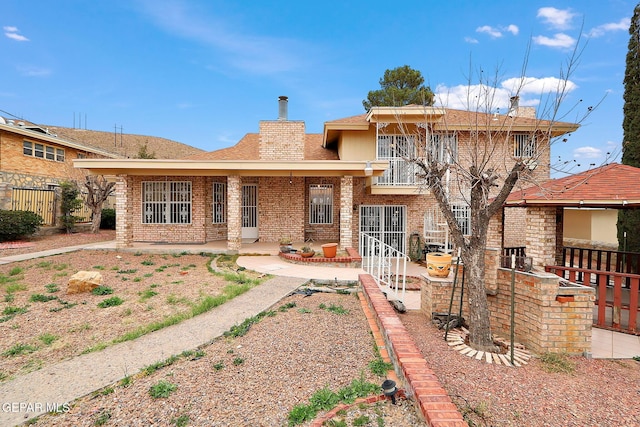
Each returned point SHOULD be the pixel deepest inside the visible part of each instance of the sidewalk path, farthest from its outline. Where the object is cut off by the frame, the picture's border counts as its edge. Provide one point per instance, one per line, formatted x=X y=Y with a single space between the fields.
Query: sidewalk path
x=68 y=380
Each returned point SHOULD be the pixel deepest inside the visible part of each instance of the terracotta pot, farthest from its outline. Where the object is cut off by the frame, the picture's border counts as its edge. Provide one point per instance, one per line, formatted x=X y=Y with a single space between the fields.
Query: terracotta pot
x=329 y=250
x=307 y=254
x=438 y=264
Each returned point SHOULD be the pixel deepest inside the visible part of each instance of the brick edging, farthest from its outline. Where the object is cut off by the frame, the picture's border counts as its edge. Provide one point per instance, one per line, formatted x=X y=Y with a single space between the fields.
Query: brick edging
x=431 y=399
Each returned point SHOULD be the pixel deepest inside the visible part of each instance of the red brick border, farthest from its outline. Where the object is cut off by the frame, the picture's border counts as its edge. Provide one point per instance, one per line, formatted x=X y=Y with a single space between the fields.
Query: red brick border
x=430 y=397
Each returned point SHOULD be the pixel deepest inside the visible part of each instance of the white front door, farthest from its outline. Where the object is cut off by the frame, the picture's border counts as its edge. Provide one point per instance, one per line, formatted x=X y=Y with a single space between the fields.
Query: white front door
x=250 y=211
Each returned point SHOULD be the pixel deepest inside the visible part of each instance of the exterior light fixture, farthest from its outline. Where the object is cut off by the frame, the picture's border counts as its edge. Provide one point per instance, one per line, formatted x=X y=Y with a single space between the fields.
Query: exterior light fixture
x=389 y=389
x=368 y=169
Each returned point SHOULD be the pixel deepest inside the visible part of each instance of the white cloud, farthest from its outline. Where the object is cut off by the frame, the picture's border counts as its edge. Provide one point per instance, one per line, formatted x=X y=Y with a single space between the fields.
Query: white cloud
x=13 y=33
x=495 y=33
x=513 y=29
x=587 y=153
x=556 y=18
x=559 y=40
x=476 y=97
x=486 y=29
x=471 y=40
x=601 y=30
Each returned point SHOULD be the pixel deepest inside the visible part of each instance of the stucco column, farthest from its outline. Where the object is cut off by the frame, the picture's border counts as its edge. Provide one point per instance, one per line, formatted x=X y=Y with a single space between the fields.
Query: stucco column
x=346 y=212
x=234 y=213
x=541 y=235
x=124 y=212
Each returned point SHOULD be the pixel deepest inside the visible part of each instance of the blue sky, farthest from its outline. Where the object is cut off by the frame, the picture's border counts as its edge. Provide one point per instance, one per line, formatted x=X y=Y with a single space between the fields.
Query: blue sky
x=206 y=72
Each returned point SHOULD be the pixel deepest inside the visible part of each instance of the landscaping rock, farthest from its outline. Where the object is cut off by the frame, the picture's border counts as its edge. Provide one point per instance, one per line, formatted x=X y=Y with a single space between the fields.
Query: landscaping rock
x=84 y=281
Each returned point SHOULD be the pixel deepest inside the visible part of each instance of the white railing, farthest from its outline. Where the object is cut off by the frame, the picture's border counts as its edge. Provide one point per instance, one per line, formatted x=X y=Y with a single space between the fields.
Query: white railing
x=400 y=172
x=387 y=265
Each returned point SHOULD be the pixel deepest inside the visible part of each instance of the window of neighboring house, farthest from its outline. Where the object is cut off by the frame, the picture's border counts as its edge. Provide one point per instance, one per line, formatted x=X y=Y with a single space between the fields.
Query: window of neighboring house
x=463 y=216
x=42 y=151
x=444 y=147
x=524 y=146
x=166 y=202
x=38 y=150
x=321 y=204
x=27 y=148
x=219 y=202
x=396 y=149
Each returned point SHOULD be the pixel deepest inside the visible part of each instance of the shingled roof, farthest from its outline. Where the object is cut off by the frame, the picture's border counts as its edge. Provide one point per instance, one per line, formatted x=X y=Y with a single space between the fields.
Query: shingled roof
x=613 y=185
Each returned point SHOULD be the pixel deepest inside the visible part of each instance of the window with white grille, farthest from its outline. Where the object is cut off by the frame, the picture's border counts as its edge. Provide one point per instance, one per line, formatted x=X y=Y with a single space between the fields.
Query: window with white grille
x=321 y=204
x=219 y=202
x=524 y=146
x=396 y=149
x=463 y=216
x=42 y=151
x=444 y=147
x=166 y=202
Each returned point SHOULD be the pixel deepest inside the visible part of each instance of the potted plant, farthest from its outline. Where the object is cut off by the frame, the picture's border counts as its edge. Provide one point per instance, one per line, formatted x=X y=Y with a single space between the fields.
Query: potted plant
x=285 y=245
x=307 y=252
x=329 y=250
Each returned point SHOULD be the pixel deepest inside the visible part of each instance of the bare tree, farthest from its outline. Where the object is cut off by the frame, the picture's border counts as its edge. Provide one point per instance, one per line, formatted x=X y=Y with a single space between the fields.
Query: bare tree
x=481 y=158
x=98 y=190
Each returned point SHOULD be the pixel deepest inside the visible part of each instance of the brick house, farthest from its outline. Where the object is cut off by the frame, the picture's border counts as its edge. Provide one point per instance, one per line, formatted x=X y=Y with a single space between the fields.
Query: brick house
x=33 y=158
x=284 y=182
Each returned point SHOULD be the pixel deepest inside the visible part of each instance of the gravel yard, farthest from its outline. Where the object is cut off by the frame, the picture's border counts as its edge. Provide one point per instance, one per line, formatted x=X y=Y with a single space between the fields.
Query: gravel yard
x=256 y=379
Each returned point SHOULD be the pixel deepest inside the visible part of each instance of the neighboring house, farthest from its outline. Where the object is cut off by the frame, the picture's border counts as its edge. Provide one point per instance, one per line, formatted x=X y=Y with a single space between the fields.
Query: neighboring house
x=33 y=162
x=283 y=182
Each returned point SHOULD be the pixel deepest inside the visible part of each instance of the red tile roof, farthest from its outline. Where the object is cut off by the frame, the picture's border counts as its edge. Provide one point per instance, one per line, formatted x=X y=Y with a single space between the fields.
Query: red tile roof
x=612 y=185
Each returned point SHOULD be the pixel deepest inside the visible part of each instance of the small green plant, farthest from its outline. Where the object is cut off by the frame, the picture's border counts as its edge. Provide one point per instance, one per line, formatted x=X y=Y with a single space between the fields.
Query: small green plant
x=51 y=288
x=336 y=423
x=126 y=381
x=301 y=413
x=9 y=298
x=103 y=418
x=110 y=302
x=45 y=264
x=12 y=311
x=379 y=367
x=15 y=287
x=19 y=349
x=48 y=339
x=557 y=362
x=636 y=358
x=304 y=310
x=324 y=399
x=106 y=391
x=98 y=267
x=286 y=306
x=146 y=294
x=60 y=267
x=146 y=275
x=362 y=420
x=218 y=366
x=162 y=389
x=238 y=361
x=102 y=290
x=15 y=271
x=148 y=262
x=181 y=421
x=336 y=309
x=130 y=271
x=41 y=298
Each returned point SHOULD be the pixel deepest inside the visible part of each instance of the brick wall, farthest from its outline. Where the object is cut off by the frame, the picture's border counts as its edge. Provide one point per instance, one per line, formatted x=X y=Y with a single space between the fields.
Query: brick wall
x=548 y=318
x=282 y=140
x=281 y=208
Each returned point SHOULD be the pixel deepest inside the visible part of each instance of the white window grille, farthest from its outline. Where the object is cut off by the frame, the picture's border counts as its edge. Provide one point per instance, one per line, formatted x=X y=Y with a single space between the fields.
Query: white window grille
x=524 y=146
x=59 y=155
x=321 y=204
x=396 y=149
x=444 y=147
x=462 y=213
x=42 y=151
x=386 y=223
x=166 y=202
x=50 y=153
x=219 y=203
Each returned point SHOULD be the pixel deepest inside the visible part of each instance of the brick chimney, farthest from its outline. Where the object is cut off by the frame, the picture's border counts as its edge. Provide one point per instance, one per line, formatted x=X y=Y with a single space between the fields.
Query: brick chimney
x=282 y=139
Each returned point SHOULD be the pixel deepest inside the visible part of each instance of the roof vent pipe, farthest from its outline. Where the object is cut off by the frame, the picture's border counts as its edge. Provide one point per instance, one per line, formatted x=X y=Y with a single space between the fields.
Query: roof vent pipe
x=282 y=107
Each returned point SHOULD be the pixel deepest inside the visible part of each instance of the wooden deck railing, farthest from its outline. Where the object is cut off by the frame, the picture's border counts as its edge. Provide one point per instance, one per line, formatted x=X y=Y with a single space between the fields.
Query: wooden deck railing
x=616 y=295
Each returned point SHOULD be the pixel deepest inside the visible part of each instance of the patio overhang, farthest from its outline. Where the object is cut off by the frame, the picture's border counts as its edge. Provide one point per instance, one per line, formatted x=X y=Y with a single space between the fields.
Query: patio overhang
x=154 y=167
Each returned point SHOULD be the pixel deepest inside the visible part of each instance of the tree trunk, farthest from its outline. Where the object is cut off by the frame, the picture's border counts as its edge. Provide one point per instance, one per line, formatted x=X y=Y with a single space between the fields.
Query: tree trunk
x=96 y=220
x=480 y=337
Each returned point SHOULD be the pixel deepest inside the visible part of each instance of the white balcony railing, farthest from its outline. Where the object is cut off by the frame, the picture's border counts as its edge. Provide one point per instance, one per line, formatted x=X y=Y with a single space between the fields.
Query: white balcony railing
x=400 y=172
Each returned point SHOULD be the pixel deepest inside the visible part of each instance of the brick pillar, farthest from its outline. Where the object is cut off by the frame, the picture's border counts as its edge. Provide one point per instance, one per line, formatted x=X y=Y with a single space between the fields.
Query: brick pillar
x=541 y=235
x=346 y=212
x=495 y=232
x=124 y=212
x=234 y=213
